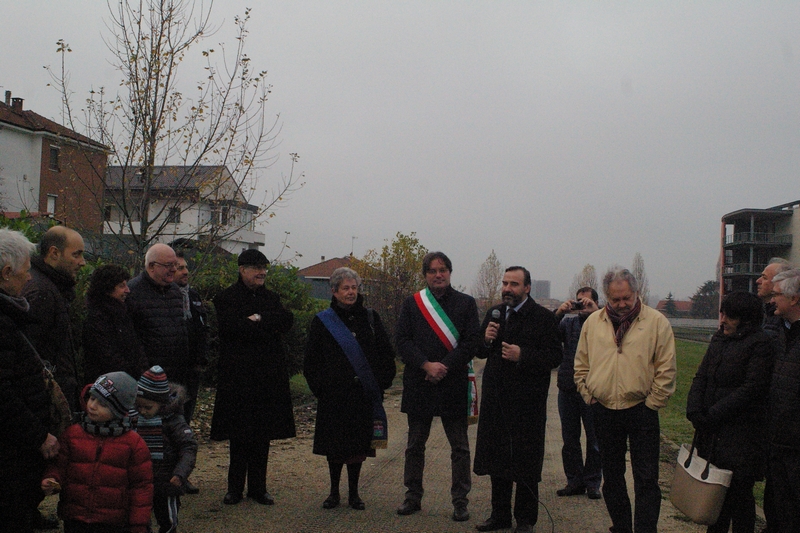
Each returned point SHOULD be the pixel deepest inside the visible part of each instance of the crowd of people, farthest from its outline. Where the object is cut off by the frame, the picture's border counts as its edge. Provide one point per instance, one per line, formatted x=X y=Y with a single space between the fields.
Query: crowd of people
x=144 y=342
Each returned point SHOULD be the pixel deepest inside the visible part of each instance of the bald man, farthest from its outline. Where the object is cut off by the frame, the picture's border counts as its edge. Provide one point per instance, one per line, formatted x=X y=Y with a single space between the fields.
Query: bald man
x=155 y=305
x=50 y=292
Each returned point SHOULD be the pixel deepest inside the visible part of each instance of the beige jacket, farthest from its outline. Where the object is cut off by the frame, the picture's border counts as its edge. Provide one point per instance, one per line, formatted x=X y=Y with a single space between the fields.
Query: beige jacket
x=644 y=371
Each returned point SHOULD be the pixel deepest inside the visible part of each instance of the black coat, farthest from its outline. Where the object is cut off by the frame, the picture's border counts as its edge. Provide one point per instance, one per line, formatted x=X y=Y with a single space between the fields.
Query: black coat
x=784 y=393
x=728 y=398
x=417 y=343
x=253 y=394
x=50 y=293
x=344 y=414
x=24 y=409
x=157 y=314
x=513 y=413
x=110 y=342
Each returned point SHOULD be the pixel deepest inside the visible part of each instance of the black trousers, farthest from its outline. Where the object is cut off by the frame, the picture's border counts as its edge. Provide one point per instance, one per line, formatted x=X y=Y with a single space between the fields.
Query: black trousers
x=526 y=503
x=248 y=461
x=782 y=494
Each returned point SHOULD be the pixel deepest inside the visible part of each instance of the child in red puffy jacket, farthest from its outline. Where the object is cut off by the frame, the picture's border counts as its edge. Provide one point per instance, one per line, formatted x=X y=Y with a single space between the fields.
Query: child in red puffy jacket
x=103 y=468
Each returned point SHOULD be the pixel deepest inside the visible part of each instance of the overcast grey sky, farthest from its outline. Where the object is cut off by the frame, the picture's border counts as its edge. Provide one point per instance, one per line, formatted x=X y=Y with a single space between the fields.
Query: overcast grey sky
x=555 y=133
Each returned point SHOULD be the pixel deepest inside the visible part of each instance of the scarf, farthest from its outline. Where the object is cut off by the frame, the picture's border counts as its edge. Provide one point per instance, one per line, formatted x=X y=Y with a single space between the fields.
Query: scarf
x=17 y=301
x=187 y=308
x=112 y=428
x=622 y=323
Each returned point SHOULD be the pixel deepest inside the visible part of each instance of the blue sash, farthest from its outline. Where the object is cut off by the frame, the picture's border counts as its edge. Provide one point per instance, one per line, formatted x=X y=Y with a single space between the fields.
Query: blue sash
x=344 y=337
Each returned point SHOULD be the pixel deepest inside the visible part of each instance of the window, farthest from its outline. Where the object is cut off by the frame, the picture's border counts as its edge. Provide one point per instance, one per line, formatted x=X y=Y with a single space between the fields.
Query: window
x=225 y=211
x=51 y=203
x=107 y=213
x=54 y=152
x=174 y=215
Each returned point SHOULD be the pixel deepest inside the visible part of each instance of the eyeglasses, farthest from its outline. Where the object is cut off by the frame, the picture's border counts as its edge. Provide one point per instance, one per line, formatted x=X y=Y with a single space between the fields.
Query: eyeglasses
x=257 y=267
x=168 y=266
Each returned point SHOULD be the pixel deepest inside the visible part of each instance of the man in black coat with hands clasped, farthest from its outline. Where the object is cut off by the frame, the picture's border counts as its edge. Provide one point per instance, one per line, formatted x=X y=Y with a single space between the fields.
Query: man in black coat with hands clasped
x=521 y=346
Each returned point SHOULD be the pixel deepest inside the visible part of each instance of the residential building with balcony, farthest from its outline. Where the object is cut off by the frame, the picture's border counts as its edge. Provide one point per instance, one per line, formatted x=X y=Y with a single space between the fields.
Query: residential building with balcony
x=751 y=237
x=184 y=202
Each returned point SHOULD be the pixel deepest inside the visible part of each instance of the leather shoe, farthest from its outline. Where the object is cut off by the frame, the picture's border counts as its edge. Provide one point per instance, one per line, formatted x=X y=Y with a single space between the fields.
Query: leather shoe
x=189 y=488
x=263 y=499
x=493 y=524
x=593 y=494
x=460 y=513
x=331 y=501
x=356 y=503
x=232 y=498
x=524 y=528
x=408 y=507
x=569 y=490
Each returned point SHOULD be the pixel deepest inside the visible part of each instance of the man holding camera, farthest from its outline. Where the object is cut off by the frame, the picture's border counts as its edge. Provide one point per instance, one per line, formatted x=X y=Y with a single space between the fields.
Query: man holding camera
x=582 y=476
x=521 y=348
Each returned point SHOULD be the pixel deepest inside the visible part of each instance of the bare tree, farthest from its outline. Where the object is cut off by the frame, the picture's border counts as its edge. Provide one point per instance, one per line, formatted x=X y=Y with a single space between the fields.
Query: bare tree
x=586 y=278
x=487 y=286
x=154 y=124
x=638 y=271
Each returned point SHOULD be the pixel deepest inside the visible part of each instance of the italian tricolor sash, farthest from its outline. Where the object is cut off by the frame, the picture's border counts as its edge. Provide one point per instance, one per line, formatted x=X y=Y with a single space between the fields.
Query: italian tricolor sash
x=441 y=324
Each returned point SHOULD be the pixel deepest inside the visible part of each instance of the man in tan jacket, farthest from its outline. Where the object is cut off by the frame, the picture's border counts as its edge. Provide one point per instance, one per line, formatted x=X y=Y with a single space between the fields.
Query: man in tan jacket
x=625 y=369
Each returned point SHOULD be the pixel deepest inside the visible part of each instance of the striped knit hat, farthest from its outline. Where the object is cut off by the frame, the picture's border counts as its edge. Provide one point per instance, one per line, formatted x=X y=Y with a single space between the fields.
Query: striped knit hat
x=117 y=390
x=153 y=385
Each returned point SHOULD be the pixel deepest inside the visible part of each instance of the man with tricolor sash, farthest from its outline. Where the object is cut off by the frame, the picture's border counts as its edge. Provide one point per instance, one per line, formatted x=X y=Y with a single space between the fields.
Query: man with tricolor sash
x=437 y=335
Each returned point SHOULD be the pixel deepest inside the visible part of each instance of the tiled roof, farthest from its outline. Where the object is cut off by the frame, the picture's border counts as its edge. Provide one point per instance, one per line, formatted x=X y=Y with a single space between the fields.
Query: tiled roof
x=682 y=306
x=36 y=123
x=169 y=177
x=325 y=268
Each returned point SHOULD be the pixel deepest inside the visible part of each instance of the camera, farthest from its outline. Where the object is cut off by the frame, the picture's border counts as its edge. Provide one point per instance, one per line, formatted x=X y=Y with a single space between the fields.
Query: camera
x=577 y=305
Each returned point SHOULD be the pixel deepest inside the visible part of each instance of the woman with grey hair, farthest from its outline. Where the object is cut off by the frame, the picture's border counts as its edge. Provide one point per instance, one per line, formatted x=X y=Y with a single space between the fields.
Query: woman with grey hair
x=349 y=362
x=26 y=441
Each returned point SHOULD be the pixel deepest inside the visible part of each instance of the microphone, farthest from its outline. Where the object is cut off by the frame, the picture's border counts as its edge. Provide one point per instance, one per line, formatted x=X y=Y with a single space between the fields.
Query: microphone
x=496 y=319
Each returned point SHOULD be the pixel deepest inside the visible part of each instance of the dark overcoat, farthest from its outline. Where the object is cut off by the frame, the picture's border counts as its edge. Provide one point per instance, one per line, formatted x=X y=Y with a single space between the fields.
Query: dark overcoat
x=513 y=414
x=417 y=343
x=784 y=394
x=731 y=389
x=253 y=396
x=24 y=410
x=50 y=293
x=344 y=414
x=110 y=342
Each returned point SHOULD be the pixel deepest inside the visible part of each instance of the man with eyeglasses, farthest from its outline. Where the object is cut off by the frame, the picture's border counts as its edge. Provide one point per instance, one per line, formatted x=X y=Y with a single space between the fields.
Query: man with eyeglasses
x=772 y=324
x=782 y=493
x=437 y=335
x=155 y=304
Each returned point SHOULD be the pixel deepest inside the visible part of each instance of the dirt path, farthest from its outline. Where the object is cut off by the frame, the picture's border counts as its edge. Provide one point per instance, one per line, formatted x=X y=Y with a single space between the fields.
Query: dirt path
x=299 y=482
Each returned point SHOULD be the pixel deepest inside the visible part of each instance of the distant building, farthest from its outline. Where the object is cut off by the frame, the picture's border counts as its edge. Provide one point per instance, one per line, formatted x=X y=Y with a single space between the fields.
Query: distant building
x=540 y=289
x=683 y=308
x=48 y=169
x=319 y=275
x=196 y=203
x=750 y=238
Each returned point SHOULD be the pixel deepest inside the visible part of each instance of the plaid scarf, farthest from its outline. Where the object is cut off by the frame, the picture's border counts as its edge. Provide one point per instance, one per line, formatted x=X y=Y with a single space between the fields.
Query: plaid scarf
x=622 y=323
x=112 y=428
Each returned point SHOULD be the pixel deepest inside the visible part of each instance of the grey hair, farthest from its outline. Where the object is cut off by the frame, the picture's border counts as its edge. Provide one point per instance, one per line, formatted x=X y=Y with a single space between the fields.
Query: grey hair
x=15 y=249
x=788 y=281
x=341 y=274
x=618 y=273
x=781 y=264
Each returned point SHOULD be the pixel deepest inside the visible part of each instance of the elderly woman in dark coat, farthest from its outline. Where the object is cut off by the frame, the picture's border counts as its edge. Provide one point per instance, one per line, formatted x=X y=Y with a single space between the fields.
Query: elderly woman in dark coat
x=253 y=403
x=727 y=405
x=110 y=342
x=348 y=382
x=26 y=440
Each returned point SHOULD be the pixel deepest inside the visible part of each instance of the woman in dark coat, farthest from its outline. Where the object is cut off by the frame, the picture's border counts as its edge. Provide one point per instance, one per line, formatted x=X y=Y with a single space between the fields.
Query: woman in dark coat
x=26 y=440
x=253 y=403
x=344 y=430
x=110 y=343
x=727 y=405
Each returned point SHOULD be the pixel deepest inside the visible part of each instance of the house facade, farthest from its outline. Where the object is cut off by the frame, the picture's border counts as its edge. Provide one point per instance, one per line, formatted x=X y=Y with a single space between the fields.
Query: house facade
x=48 y=169
x=751 y=237
x=183 y=202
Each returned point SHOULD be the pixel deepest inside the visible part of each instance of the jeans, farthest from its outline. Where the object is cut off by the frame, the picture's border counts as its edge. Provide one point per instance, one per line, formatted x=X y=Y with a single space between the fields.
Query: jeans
x=573 y=410
x=419 y=428
x=639 y=426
